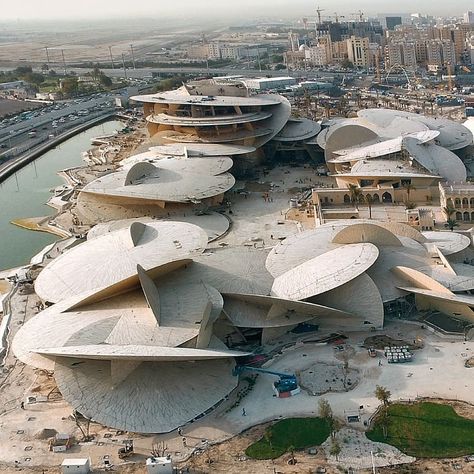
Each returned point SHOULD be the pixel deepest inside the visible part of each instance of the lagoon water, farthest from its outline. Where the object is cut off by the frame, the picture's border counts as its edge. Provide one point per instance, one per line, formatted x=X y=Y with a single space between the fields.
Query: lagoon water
x=25 y=194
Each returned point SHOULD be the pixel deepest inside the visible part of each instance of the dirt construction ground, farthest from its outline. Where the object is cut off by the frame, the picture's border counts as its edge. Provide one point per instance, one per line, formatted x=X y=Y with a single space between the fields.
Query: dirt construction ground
x=9 y=107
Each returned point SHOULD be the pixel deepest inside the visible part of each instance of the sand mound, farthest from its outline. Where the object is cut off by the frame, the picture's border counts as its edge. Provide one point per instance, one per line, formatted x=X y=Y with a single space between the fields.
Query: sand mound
x=46 y=433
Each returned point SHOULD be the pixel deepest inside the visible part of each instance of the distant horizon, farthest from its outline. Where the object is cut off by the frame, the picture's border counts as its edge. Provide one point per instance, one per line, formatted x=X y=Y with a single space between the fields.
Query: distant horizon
x=91 y=10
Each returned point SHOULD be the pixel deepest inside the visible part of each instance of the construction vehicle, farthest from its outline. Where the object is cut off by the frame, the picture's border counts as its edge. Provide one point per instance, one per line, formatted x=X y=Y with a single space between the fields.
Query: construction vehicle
x=127 y=450
x=286 y=386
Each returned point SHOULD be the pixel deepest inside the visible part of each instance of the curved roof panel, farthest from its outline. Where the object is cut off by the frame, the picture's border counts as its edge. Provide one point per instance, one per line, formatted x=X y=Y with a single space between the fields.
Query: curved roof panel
x=298 y=130
x=213 y=223
x=411 y=254
x=345 y=136
x=210 y=165
x=137 y=352
x=452 y=135
x=361 y=297
x=114 y=256
x=461 y=280
x=361 y=233
x=382 y=148
x=171 y=183
x=326 y=272
x=165 y=395
x=258 y=311
x=297 y=249
x=386 y=169
x=201 y=149
x=437 y=159
x=448 y=242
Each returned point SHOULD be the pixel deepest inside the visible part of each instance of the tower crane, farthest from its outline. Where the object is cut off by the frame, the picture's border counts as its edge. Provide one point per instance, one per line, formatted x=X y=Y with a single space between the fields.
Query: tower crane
x=319 y=11
x=360 y=14
x=450 y=77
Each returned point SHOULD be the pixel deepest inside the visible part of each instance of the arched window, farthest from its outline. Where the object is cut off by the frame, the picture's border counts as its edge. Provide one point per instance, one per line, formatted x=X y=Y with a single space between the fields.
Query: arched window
x=471 y=202
x=347 y=198
x=376 y=198
x=457 y=201
x=458 y=216
x=465 y=216
x=465 y=202
x=472 y=216
x=386 y=197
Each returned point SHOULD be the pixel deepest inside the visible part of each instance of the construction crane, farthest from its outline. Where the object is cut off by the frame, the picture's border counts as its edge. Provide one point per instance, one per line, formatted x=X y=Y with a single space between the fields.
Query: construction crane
x=450 y=77
x=377 y=66
x=286 y=385
x=319 y=11
x=360 y=14
x=336 y=16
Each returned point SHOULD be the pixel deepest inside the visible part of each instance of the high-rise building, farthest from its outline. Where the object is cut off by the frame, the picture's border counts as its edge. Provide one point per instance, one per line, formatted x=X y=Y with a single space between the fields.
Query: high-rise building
x=393 y=54
x=402 y=53
x=433 y=53
x=409 y=54
x=449 y=52
x=421 y=52
x=358 y=51
x=440 y=53
x=214 y=51
x=316 y=55
x=393 y=21
x=230 y=51
x=468 y=17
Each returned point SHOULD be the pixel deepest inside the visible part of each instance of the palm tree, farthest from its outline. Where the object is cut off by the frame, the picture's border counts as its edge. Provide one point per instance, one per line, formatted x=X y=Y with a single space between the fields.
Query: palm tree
x=451 y=223
x=356 y=195
x=408 y=188
x=369 y=200
x=448 y=211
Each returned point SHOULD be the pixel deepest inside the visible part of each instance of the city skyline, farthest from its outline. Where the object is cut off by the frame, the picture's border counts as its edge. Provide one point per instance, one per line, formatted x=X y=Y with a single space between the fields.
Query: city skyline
x=55 y=9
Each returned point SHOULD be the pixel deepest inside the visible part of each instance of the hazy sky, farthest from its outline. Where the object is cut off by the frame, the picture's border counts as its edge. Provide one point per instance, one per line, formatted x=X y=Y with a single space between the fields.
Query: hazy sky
x=79 y=9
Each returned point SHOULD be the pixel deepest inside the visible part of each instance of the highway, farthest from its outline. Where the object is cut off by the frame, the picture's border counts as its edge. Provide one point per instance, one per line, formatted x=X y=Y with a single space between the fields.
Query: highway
x=141 y=73
x=14 y=138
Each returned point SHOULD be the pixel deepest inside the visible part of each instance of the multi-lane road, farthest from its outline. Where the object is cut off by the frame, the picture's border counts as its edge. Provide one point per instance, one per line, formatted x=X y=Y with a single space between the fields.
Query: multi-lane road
x=51 y=120
x=141 y=73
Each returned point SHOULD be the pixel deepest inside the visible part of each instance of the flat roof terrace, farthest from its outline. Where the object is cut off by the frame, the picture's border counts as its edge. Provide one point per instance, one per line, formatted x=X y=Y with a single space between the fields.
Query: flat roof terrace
x=178 y=97
x=208 y=121
x=215 y=137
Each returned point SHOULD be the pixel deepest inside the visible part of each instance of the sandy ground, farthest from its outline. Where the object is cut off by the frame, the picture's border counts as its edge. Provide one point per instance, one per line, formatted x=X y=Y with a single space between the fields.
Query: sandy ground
x=10 y=107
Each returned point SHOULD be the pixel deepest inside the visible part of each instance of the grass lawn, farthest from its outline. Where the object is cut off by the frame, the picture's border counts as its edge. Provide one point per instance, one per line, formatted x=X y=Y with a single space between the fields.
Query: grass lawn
x=298 y=432
x=426 y=430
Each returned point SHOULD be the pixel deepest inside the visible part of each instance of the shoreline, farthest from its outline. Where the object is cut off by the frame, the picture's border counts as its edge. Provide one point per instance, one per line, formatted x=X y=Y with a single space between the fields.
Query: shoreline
x=12 y=166
x=47 y=224
x=35 y=224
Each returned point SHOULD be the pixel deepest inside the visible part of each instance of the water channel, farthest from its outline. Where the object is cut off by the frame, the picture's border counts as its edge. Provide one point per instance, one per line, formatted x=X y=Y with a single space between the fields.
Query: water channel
x=25 y=194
